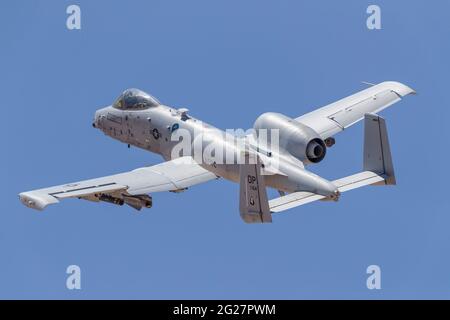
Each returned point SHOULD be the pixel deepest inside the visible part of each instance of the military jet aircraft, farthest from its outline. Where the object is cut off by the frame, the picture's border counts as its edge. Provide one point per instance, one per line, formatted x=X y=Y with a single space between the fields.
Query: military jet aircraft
x=136 y=118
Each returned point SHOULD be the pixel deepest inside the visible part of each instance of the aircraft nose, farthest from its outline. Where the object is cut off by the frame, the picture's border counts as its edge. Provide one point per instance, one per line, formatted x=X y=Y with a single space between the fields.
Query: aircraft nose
x=94 y=123
x=98 y=118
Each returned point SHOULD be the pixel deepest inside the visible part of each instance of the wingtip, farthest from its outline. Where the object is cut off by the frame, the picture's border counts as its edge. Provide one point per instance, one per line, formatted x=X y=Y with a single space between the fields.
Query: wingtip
x=36 y=201
x=399 y=88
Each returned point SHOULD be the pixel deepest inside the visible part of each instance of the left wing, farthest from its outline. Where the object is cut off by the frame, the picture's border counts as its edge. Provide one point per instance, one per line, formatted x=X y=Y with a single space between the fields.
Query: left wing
x=131 y=187
x=335 y=117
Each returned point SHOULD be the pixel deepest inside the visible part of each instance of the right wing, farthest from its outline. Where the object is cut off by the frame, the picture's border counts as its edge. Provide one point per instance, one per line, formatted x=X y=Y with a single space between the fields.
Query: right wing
x=130 y=187
x=335 y=117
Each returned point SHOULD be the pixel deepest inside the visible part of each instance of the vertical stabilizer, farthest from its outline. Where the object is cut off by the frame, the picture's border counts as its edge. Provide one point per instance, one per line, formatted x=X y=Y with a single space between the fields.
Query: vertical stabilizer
x=253 y=202
x=377 y=153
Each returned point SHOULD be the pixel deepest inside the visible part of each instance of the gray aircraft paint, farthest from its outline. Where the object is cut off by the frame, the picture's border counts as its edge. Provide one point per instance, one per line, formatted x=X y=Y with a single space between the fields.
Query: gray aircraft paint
x=150 y=129
x=138 y=119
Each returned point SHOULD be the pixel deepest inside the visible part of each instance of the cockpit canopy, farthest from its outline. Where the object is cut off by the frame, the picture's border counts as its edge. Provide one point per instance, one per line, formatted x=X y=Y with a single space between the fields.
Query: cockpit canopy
x=135 y=99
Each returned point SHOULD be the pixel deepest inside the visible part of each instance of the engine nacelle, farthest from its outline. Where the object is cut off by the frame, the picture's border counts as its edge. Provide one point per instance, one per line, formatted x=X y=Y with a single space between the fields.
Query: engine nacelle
x=299 y=140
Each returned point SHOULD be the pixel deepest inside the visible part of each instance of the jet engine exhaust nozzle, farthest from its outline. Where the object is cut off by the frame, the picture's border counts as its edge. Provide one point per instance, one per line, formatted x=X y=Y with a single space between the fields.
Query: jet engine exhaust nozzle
x=316 y=150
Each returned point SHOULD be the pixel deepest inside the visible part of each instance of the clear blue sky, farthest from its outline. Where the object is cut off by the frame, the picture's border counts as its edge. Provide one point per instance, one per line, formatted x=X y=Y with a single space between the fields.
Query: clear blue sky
x=228 y=62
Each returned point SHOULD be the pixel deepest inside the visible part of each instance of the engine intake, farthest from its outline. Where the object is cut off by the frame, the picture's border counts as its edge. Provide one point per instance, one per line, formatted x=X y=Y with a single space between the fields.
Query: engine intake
x=297 y=139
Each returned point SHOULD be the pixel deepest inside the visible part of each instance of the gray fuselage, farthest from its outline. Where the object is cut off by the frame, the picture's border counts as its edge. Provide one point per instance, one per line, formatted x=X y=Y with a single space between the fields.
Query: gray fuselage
x=152 y=129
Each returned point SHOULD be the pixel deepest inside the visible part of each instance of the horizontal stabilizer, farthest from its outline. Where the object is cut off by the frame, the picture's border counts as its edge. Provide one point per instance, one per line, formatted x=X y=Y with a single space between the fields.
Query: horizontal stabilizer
x=378 y=167
x=293 y=200
x=358 y=180
x=296 y=199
